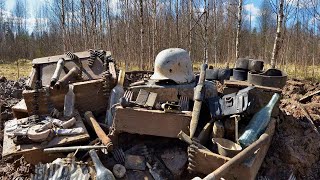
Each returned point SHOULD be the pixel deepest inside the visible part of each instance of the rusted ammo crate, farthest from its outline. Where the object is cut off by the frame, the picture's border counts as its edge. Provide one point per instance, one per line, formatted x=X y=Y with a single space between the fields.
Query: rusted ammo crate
x=89 y=90
x=48 y=65
x=89 y=96
x=150 y=122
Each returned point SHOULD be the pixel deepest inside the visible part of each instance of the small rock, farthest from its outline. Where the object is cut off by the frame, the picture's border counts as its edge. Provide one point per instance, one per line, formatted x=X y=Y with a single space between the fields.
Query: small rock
x=3 y=79
x=119 y=171
x=175 y=160
x=135 y=162
x=17 y=93
x=16 y=84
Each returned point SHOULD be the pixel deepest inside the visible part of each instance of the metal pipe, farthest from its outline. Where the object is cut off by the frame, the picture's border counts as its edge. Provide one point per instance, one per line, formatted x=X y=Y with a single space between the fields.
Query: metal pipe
x=73 y=148
x=184 y=137
x=57 y=72
x=205 y=133
x=198 y=98
x=74 y=72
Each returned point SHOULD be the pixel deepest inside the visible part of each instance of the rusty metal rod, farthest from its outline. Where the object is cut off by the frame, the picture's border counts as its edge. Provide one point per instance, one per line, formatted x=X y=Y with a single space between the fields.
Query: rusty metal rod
x=184 y=137
x=57 y=72
x=205 y=133
x=73 y=148
x=90 y=119
x=222 y=170
x=198 y=98
x=74 y=72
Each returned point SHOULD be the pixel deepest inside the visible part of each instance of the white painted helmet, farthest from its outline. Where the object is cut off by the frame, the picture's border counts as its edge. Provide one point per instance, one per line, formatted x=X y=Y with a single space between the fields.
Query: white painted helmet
x=174 y=64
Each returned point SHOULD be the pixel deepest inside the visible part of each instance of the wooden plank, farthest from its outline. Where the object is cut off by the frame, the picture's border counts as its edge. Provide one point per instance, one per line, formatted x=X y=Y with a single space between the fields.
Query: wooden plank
x=307 y=98
x=20 y=110
x=88 y=73
x=150 y=122
x=88 y=97
x=10 y=148
x=208 y=162
x=20 y=106
x=249 y=169
x=234 y=83
x=54 y=59
x=48 y=65
x=32 y=78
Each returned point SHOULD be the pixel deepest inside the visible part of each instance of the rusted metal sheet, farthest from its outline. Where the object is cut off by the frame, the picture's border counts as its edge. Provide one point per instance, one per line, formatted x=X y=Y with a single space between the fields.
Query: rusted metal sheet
x=150 y=122
x=48 y=66
x=142 y=97
x=54 y=59
x=66 y=168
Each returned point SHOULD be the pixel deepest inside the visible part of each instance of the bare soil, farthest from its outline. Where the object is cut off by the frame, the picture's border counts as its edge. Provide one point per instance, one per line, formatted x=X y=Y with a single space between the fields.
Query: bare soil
x=295 y=145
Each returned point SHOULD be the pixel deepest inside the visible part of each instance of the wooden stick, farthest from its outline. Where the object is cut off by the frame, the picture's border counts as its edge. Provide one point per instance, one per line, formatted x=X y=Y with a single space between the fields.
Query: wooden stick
x=306 y=98
x=309 y=118
x=96 y=127
x=73 y=148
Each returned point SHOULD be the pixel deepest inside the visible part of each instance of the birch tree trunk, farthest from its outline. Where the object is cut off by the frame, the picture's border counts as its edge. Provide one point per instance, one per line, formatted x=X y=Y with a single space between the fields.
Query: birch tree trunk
x=110 y=37
x=127 y=29
x=141 y=36
x=84 y=23
x=190 y=27
x=154 y=26
x=215 y=31
x=277 y=41
x=206 y=11
x=238 y=28
x=177 y=23
x=63 y=25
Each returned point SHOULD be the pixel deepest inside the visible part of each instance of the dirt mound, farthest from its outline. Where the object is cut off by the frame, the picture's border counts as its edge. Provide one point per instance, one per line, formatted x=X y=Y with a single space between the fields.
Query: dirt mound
x=19 y=169
x=10 y=94
x=295 y=145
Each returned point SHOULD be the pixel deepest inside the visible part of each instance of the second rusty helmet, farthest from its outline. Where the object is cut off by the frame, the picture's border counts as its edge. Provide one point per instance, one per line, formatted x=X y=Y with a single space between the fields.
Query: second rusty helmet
x=174 y=64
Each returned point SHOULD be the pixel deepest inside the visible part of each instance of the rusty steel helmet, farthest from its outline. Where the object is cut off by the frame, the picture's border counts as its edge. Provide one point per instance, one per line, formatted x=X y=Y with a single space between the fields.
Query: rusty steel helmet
x=174 y=64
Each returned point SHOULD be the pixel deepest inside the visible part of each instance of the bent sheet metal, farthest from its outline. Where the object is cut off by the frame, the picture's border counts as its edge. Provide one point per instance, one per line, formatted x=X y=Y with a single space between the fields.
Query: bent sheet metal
x=230 y=104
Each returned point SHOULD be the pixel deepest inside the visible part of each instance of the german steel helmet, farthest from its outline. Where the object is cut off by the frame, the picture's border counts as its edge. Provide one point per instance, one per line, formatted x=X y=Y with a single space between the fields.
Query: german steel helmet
x=174 y=64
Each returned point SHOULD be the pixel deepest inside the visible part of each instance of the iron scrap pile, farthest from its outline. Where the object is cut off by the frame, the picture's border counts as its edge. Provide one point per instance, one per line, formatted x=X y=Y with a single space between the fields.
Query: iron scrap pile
x=10 y=94
x=84 y=114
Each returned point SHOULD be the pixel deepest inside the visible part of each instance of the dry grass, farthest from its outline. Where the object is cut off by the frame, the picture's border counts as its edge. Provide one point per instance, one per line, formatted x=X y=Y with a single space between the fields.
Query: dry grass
x=12 y=71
